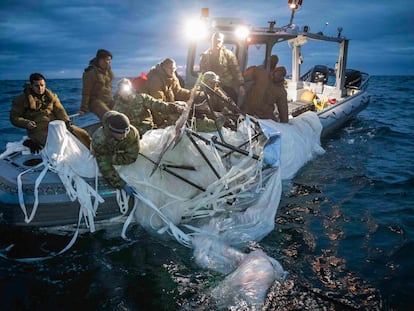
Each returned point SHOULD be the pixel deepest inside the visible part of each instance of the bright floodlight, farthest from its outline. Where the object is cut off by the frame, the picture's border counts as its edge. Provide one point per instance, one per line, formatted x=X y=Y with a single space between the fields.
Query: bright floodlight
x=196 y=29
x=242 y=32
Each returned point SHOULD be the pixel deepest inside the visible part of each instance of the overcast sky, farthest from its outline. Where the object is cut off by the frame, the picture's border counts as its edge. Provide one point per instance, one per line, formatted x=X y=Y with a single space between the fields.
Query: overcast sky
x=59 y=37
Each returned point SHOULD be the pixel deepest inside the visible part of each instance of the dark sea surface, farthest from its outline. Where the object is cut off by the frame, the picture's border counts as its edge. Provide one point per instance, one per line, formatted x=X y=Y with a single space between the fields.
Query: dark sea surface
x=344 y=230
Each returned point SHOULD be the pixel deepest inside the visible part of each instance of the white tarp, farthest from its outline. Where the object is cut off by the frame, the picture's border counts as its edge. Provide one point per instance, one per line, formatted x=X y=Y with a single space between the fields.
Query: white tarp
x=300 y=142
x=237 y=206
x=214 y=240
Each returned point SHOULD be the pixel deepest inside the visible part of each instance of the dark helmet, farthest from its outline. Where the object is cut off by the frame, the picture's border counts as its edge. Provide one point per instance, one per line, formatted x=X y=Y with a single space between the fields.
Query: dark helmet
x=119 y=123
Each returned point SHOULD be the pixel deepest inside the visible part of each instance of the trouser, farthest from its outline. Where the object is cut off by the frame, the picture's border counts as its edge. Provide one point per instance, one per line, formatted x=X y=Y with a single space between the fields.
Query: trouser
x=40 y=136
x=280 y=98
x=82 y=135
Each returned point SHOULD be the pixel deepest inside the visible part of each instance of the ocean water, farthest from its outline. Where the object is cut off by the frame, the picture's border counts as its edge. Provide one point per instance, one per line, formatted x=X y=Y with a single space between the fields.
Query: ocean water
x=344 y=230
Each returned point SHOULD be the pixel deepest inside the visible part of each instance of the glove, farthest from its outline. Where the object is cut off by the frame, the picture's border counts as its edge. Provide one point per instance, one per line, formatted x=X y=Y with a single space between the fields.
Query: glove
x=69 y=126
x=34 y=146
x=129 y=190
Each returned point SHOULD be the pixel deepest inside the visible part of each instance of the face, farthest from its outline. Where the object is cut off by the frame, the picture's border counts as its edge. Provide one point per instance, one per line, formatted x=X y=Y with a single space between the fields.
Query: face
x=39 y=86
x=170 y=69
x=217 y=42
x=120 y=136
x=211 y=84
x=105 y=63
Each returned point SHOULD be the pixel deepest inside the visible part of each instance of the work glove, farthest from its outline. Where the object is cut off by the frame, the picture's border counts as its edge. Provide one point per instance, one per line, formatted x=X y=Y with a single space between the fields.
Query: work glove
x=69 y=126
x=34 y=146
x=129 y=190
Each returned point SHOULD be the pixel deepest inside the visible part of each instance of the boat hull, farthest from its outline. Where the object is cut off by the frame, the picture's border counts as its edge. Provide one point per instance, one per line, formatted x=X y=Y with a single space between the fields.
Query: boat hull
x=55 y=206
x=339 y=114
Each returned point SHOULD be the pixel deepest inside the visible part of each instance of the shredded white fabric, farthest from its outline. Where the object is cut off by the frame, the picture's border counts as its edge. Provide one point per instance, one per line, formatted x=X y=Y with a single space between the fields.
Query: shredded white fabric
x=223 y=197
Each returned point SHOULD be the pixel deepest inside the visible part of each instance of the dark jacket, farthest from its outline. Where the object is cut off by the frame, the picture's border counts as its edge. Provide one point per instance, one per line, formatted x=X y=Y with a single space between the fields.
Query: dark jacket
x=96 y=86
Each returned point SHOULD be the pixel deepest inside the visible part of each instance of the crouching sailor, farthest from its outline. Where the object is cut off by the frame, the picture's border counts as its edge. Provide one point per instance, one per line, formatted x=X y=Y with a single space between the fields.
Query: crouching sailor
x=115 y=143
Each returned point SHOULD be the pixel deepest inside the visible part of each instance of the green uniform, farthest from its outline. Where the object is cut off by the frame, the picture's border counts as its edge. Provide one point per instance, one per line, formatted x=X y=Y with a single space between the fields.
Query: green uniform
x=141 y=109
x=109 y=151
x=224 y=63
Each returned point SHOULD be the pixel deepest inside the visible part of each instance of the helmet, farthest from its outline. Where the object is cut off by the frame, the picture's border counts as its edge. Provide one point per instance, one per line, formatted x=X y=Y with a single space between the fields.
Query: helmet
x=210 y=77
x=119 y=123
x=125 y=85
x=124 y=81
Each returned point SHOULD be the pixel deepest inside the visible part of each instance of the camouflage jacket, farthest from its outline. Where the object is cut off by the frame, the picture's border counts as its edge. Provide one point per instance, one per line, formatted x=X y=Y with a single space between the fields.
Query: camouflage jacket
x=42 y=109
x=160 y=86
x=224 y=64
x=109 y=152
x=146 y=113
x=218 y=99
x=96 y=85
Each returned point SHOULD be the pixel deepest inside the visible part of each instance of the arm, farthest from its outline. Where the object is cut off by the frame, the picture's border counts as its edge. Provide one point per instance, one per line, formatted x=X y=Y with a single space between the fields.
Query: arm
x=179 y=92
x=88 y=82
x=159 y=106
x=234 y=68
x=154 y=87
x=204 y=63
x=58 y=109
x=17 y=112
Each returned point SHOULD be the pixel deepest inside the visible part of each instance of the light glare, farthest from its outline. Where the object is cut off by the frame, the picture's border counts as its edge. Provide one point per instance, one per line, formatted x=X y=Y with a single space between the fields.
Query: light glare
x=196 y=29
x=242 y=32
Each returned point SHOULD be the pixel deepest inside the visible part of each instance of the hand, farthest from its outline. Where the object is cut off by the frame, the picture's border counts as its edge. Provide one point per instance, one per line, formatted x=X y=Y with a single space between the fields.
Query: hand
x=31 y=125
x=178 y=106
x=32 y=145
x=129 y=190
x=69 y=126
x=81 y=113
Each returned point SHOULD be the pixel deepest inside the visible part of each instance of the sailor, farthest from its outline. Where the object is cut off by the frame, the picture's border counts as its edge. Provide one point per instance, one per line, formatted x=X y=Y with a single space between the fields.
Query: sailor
x=97 y=85
x=35 y=108
x=163 y=83
x=224 y=63
x=219 y=99
x=264 y=94
x=115 y=143
x=140 y=108
x=278 y=91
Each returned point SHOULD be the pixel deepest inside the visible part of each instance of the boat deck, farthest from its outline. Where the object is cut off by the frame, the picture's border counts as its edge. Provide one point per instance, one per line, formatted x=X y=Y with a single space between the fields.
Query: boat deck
x=296 y=108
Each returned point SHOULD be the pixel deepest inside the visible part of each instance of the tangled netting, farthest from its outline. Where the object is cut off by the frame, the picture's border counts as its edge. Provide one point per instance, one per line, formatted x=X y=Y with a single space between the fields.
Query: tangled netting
x=213 y=192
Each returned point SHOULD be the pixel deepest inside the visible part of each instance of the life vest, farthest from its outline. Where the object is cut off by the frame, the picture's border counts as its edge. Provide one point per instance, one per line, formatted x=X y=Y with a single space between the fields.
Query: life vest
x=139 y=82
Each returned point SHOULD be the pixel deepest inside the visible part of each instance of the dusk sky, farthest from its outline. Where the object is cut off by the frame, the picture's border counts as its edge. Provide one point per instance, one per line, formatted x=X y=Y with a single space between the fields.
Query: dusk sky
x=58 y=38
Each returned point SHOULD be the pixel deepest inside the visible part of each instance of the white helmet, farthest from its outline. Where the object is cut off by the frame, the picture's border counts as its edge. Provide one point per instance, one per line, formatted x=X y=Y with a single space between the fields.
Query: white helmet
x=210 y=76
x=124 y=85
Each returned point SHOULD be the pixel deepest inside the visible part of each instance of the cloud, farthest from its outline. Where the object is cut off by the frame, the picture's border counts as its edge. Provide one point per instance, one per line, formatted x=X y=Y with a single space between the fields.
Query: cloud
x=61 y=37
